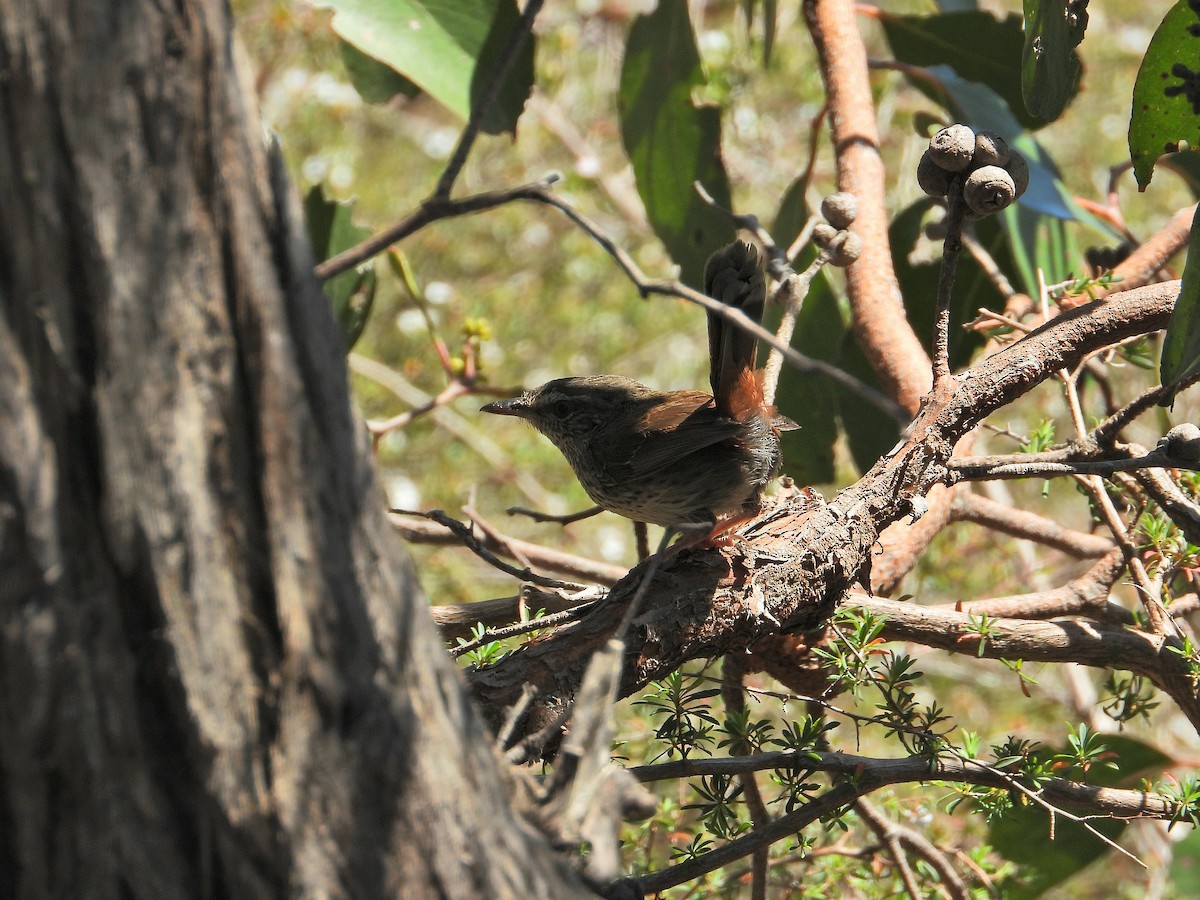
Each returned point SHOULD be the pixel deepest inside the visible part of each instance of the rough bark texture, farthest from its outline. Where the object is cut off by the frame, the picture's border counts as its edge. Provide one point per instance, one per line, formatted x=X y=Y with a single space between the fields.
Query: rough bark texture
x=803 y=557
x=216 y=674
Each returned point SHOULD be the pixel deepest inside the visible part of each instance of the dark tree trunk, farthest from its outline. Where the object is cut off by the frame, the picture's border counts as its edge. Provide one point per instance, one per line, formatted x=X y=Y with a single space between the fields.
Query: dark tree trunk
x=216 y=674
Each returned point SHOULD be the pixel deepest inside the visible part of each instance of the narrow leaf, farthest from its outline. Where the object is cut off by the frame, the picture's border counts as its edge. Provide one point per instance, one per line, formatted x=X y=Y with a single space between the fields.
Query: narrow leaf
x=1181 y=346
x=671 y=141
x=1166 y=94
x=1050 y=66
x=807 y=399
x=331 y=230
x=448 y=48
x=953 y=39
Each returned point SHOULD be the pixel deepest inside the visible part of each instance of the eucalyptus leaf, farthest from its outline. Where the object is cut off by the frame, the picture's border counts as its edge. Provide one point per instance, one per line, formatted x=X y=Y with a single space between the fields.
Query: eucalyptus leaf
x=447 y=48
x=1166 y=94
x=1050 y=66
x=671 y=140
x=331 y=230
x=1181 y=346
x=953 y=40
x=375 y=82
x=808 y=399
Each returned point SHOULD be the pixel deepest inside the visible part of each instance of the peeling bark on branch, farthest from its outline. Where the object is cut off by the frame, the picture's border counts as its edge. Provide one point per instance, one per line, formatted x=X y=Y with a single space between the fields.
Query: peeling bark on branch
x=799 y=563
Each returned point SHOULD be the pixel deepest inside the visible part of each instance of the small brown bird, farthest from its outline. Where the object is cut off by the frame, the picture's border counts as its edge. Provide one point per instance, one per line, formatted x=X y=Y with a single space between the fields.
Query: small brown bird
x=673 y=458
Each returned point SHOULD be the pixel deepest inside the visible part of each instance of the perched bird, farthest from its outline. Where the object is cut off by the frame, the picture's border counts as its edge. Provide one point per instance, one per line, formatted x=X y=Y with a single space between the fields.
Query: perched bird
x=673 y=458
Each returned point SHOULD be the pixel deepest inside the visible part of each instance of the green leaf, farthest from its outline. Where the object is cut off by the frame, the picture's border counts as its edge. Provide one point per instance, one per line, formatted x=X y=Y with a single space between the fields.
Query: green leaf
x=448 y=48
x=1185 y=868
x=1048 y=854
x=671 y=141
x=1050 y=67
x=375 y=82
x=1181 y=346
x=331 y=230
x=870 y=433
x=918 y=282
x=952 y=40
x=1166 y=94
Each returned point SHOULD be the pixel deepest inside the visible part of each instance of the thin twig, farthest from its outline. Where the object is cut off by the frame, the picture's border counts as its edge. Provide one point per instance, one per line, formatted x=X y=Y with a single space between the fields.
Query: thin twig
x=516 y=40
x=431 y=210
x=951 y=249
x=475 y=545
x=1038 y=465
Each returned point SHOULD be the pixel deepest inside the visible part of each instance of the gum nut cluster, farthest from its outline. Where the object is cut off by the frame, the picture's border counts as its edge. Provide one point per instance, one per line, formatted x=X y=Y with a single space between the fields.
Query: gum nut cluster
x=994 y=175
x=841 y=246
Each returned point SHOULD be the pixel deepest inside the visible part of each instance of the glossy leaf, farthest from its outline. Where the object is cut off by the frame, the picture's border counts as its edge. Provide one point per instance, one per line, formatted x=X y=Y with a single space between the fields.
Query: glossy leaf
x=671 y=141
x=1050 y=66
x=1181 y=346
x=952 y=40
x=448 y=48
x=331 y=230
x=1166 y=94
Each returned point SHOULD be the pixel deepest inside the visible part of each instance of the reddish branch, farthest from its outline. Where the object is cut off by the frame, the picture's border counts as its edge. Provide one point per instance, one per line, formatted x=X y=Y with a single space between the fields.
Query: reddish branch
x=1020 y=523
x=880 y=325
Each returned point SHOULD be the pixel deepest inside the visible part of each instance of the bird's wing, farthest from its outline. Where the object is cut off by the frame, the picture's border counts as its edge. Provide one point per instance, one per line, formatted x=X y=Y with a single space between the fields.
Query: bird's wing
x=662 y=448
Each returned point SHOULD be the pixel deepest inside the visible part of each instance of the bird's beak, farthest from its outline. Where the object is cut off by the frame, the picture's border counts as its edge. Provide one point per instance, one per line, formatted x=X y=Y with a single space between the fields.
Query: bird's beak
x=517 y=406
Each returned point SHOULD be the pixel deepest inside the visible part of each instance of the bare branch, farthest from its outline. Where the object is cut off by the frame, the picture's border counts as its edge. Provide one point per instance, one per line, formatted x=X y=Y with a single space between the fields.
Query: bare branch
x=1020 y=523
x=876 y=306
x=419 y=529
x=498 y=73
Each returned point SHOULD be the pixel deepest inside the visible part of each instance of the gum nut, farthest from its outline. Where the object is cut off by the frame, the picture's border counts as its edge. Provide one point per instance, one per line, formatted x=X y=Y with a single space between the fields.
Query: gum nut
x=990 y=149
x=988 y=190
x=933 y=179
x=1182 y=442
x=822 y=234
x=1019 y=170
x=845 y=248
x=840 y=209
x=953 y=147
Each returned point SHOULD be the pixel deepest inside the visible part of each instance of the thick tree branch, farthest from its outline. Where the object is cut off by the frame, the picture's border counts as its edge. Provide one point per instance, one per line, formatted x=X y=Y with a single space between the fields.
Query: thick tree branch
x=880 y=325
x=1020 y=523
x=800 y=558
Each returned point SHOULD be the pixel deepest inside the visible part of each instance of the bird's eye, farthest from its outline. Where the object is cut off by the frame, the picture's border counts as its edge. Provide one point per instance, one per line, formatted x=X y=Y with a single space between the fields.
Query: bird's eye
x=560 y=409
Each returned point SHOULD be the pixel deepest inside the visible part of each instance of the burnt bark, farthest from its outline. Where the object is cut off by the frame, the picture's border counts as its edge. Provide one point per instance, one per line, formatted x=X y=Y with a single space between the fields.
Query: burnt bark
x=217 y=675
